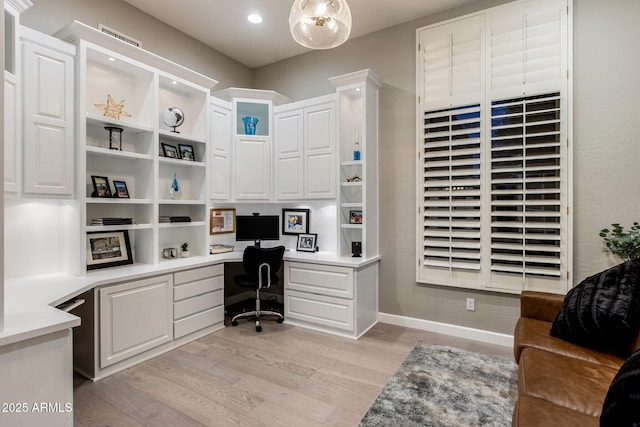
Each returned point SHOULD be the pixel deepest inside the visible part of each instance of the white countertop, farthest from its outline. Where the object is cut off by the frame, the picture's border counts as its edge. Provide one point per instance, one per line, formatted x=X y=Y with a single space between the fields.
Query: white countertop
x=30 y=301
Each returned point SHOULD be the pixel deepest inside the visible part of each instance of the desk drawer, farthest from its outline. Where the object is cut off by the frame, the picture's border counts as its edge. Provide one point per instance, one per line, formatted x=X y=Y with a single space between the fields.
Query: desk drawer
x=320 y=279
x=198 y=321
x=319 y=310
x=196 y=304
x=198 y=274
x=198 y=287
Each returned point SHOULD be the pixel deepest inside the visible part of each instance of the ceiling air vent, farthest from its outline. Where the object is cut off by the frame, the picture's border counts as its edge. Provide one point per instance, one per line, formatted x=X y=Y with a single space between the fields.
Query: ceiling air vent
x=120 y=36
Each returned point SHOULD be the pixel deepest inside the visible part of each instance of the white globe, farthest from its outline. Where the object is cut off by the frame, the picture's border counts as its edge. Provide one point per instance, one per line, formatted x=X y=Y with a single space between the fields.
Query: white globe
x=173 y=117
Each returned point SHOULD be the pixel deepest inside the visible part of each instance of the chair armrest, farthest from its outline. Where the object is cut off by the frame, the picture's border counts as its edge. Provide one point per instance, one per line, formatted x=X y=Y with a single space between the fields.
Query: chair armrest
x=540 y=305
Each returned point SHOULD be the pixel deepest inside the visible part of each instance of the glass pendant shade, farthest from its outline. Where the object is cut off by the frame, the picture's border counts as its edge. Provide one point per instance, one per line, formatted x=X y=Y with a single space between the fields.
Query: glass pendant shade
x=320 y=24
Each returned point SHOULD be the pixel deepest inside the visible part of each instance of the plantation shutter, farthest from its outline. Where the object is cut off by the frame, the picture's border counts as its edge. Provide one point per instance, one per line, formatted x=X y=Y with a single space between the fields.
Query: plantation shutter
x=493 y=174
x=451 y=65
x=526 y=48
x=451 y=198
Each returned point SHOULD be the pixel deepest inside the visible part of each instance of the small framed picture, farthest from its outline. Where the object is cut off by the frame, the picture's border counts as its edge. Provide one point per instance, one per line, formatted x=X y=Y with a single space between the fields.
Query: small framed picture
x=101 y=186
x=108 y=249
x=307 y=242
x=170 y=151
x=222 y=221
x=186 y=152
x=295 y=221
x=355 y=217
x=120 y=189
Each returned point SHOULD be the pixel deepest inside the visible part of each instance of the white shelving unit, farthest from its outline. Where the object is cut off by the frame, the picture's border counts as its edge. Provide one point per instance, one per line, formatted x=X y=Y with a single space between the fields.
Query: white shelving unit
x=358 y=178
x=146 y=85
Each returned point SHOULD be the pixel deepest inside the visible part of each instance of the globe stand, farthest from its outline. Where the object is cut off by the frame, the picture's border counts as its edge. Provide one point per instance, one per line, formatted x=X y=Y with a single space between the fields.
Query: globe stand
x=174 y=129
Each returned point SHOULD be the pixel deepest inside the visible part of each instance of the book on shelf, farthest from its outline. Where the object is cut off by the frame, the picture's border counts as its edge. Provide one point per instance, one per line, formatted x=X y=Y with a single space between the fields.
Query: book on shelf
x=111 y=221
x=219 y=249
x=169 y=219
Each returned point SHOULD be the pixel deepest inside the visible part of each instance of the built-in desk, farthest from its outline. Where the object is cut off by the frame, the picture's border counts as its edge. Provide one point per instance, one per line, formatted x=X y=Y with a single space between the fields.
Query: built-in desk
x=337 y=295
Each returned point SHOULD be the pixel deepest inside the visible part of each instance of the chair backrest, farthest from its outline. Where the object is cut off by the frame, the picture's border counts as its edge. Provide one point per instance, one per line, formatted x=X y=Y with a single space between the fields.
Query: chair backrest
x=253 y=257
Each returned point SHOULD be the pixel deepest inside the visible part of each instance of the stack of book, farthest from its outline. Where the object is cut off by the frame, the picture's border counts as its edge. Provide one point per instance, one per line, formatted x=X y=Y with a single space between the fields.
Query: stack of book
x=219 y=249
x=111 y=221
x=167 y=219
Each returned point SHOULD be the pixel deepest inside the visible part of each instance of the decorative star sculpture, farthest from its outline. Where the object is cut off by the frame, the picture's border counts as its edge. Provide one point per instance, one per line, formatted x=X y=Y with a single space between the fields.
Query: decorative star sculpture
x=112 y=109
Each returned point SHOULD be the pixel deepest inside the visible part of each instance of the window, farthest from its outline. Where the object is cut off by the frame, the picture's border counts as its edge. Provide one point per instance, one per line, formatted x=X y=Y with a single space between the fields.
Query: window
x=494 y=176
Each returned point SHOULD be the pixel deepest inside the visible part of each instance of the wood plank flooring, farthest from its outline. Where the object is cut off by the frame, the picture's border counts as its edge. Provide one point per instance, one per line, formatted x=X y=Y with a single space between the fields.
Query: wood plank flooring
x=284 y=376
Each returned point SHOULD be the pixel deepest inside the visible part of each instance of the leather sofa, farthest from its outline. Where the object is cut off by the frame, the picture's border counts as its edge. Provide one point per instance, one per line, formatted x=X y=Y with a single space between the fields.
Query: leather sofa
x=559 y=383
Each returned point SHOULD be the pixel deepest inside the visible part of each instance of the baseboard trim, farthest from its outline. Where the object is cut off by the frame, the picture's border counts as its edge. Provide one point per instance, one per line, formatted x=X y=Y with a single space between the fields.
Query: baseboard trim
x=447 y=329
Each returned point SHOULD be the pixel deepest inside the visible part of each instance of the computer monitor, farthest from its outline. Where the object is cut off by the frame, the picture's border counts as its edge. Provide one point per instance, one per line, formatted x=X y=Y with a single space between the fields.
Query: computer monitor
x=257 y=228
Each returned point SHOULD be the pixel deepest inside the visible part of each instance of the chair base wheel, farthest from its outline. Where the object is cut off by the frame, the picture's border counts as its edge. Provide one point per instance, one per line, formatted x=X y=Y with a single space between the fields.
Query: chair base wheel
x=234 y=323
x=258 y=328
x=280 y=319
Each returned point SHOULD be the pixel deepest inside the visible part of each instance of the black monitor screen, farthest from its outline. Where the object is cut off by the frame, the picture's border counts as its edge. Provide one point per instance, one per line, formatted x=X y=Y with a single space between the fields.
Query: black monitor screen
x=257 y=227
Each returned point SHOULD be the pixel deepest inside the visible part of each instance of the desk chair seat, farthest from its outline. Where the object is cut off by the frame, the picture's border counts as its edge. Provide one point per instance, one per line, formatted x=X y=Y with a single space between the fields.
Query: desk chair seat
x=261 y=266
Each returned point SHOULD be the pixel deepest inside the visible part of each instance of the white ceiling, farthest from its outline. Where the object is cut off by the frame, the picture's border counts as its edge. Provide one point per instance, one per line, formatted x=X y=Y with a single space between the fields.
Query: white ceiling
x=223 y=25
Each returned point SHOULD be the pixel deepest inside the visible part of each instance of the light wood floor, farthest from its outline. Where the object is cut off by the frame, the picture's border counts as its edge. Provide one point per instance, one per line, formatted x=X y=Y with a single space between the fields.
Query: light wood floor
x=284 y=376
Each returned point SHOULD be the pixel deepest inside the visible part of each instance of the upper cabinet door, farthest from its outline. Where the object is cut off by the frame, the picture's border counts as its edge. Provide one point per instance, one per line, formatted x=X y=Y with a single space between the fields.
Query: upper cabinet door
x=289 y=162
x=220 y=164
x=48 y=121
x=252 y=167
x=11 y=134
x=320 y=144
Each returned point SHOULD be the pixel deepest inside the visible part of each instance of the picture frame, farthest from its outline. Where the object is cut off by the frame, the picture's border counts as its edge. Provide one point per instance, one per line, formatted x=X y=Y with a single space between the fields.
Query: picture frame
x=307 y=242
x=108 y=249
x=355 y=217
x=170 y=151
x=186 y=152
x=295 y=221
x=120 y=190
x=222 y=220
x=101 y=187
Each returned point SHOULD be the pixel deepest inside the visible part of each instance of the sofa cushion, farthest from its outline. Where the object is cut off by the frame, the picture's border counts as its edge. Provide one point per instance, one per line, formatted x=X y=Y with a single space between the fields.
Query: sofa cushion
x=564 y=381
x=535 y=334
x=533 y=412
x=622 y=403
x=603 y=311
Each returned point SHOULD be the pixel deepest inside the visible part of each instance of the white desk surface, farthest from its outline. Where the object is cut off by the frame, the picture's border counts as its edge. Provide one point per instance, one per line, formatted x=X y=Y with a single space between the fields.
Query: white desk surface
x=30 y=301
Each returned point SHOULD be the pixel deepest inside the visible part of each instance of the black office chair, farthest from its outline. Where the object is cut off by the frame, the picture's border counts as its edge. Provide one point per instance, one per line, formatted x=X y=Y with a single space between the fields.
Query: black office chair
x=261 y=266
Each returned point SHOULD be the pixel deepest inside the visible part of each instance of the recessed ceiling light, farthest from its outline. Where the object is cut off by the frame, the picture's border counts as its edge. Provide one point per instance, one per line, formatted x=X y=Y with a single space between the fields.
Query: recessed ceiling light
x=174 y=82
x=112 y=59
x=254 y=18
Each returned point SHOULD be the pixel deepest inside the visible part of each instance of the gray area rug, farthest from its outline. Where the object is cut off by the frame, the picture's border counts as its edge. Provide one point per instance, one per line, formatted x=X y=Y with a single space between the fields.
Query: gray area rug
x=445 y=386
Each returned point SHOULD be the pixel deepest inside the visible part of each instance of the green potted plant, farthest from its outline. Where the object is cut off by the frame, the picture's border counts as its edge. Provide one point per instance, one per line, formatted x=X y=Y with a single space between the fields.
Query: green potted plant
x=184 y=250
x=625 y=244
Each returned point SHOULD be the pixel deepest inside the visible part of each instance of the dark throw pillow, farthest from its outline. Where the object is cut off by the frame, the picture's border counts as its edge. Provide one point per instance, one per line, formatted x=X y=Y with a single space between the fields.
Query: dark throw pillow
x=603 y=311
x=621 y=407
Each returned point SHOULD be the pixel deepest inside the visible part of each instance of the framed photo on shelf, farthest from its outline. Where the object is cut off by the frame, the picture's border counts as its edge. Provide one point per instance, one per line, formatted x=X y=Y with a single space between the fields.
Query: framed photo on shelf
x=170 y=151
x=120 y=189
x=222 y=221
x=108 y=249
x=295 y=221
x=307 y=242
x=355 y=217
x=186 y=152
x=101 y=186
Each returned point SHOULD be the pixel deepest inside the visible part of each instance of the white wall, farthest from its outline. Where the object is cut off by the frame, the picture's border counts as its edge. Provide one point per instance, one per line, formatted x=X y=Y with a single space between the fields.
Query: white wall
x=607 y=148
x=48 y=16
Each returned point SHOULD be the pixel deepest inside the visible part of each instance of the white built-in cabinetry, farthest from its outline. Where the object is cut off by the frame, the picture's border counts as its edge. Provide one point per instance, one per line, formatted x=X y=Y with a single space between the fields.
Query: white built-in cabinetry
x=134 y=317
x=357 y=99
x=305 y=146
x=336 y=299
x=138 y=319
x=39 y=112
x=251 y=156
x=146 y=86
x=220 y=152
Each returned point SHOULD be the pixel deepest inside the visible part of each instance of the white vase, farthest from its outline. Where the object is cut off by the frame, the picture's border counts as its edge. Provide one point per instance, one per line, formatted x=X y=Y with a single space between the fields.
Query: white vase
x=184 y=254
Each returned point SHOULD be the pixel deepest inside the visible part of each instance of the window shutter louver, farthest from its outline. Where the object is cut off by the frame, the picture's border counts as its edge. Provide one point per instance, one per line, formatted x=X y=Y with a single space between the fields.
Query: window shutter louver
x=526 y=178
x=494 y=171
x=451 y=65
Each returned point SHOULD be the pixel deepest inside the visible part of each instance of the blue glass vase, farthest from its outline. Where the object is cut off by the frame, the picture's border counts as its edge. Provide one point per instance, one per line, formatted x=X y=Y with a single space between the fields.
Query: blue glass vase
x=250 y=124
x=175 y=192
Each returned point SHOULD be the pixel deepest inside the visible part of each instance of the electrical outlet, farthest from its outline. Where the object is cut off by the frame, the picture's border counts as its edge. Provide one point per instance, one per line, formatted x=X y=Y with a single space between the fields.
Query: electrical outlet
x=471 y=304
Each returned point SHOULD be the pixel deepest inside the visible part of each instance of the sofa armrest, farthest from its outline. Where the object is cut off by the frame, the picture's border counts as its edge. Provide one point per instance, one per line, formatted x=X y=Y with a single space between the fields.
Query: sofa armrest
x=540 y=305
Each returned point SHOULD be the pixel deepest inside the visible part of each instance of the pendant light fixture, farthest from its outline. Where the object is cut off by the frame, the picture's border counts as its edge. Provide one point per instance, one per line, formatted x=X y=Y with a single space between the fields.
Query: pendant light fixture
x=320 y=24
